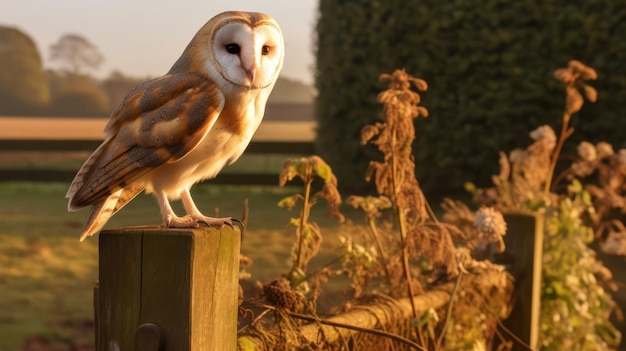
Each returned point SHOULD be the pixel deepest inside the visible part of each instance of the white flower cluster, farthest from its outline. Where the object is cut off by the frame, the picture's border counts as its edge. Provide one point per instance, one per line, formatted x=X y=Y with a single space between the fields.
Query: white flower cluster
x=490 y=223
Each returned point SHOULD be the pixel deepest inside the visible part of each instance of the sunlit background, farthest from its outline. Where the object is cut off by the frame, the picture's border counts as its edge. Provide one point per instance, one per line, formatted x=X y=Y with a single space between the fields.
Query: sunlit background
x=489 y=67
x=144 y=38
x=46 y=275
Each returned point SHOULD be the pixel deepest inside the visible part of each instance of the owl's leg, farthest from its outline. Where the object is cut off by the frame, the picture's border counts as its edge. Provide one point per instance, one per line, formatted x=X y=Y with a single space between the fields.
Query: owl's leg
x=170 y=219
x=194 y=213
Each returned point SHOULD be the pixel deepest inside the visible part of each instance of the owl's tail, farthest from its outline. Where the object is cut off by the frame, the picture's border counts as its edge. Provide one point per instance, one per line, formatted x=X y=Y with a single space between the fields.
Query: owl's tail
x=103 y=210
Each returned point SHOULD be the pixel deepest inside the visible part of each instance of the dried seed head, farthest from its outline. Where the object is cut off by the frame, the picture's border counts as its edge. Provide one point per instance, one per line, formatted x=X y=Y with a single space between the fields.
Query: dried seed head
x=587 y=151
x=590 y=92
x=564 y=75
x=369 y=131
x=333 y=199
x=604 y=150
x=585 y=72
x=615 y=243
x=582 y=169
x=574 y=101
x=287 y=173
x=420 y=84
x=278 y=293
x=517 y=156
x=545 y=134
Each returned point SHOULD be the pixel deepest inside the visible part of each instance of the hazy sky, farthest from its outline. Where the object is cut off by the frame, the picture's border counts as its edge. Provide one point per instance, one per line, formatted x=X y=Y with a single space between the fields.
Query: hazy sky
x=144 y=37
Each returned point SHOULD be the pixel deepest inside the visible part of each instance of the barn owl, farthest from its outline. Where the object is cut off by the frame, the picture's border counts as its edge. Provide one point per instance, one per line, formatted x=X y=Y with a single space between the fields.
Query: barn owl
x=172 y=132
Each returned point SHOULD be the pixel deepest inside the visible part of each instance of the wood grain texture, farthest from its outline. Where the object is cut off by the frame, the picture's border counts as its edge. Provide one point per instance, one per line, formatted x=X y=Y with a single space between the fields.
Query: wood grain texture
x=182 y=282
x=119 y=290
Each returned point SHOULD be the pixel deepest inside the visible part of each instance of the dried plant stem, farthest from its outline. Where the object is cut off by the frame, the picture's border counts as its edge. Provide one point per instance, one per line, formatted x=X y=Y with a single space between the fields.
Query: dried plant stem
x=330 y=263
x=255 y=321
x=405 y=260
x=381 y=250
x=401 y=223
x=565 y=133
x=304 y=217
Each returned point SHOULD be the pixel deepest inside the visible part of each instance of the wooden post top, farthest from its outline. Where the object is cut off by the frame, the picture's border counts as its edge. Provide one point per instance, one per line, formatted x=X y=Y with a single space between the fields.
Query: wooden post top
x=166 y=289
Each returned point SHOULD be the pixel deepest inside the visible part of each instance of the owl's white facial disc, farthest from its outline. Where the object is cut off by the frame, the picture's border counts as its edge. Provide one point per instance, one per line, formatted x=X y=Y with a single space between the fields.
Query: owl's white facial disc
x=249 y=57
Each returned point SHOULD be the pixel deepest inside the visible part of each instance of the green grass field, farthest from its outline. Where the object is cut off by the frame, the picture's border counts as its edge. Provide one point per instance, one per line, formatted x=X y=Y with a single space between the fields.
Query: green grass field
x=47 y=275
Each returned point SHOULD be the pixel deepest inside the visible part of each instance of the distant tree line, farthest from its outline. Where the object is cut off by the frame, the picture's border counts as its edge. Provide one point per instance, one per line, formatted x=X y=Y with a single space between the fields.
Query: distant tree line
x=27 y=89
x=489 y=66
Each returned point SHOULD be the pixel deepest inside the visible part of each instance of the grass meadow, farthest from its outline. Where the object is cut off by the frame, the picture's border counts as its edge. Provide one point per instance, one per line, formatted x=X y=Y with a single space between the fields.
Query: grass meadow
x=47 y=275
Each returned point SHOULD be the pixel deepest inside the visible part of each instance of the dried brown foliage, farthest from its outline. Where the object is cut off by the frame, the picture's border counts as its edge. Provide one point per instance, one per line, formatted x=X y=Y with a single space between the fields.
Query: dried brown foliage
x=407 y=248
x=527 y=183
x=574 y=77
x=608 y=170
x=395 y=176
x=426 y=246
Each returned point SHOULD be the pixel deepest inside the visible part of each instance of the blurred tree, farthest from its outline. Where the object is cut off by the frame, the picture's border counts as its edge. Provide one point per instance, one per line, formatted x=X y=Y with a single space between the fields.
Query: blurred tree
x=117 y=85
x=76 y=53
x=76 y=95
x=23 y=83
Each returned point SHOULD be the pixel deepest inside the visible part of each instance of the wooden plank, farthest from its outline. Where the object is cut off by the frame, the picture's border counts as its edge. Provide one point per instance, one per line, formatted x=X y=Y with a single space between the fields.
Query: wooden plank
x=49 y=145
x=119 y=289
x=36 y=175
x=96 y=309
x=523 y=258
x=215 y=290
x=165 y=283
x=55 y=175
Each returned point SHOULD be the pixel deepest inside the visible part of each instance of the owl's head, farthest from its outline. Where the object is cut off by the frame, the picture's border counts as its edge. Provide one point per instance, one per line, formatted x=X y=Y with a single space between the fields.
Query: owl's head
x=243 y=49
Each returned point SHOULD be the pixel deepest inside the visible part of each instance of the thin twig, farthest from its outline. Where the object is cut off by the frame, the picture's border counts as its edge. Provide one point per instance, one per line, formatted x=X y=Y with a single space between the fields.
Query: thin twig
x=304 y=217
x=449 y=310
x=255 y=321
x=330 y=263
x=565 y=133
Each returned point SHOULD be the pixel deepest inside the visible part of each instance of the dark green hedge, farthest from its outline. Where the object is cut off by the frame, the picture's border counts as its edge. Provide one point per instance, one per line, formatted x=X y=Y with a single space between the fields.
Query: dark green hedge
x=489 y=65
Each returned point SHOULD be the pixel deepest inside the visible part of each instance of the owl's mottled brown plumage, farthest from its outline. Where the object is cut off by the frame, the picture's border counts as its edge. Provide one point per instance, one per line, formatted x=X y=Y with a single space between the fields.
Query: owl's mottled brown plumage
x=174 y=131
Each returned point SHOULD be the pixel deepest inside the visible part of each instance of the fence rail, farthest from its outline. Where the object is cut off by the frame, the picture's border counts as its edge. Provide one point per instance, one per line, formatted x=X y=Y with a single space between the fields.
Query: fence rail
x=61 y=175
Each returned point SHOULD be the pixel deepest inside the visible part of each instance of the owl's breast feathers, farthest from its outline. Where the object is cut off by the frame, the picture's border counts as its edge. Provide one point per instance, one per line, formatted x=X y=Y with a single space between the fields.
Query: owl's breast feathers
x=158 y=122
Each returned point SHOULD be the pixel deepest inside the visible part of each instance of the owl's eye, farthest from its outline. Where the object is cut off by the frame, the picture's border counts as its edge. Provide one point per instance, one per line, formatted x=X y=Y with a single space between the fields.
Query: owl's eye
x=233 y=49
x=265 y=50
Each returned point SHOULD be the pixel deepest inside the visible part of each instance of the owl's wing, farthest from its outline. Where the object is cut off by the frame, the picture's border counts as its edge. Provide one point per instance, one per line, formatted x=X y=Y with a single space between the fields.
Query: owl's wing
x=158 y=121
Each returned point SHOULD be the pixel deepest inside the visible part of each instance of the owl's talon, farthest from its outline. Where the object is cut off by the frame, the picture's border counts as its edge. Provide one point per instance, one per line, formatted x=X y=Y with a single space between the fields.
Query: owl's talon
x=239 y=223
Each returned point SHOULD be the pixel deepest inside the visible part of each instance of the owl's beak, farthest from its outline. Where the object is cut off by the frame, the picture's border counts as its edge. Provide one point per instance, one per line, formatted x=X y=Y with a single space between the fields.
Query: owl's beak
x=251 y=73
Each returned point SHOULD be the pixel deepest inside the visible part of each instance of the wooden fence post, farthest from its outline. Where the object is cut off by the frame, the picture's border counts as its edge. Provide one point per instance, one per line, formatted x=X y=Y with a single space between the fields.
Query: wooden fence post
x=524 y=259
x=167 y=290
